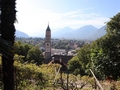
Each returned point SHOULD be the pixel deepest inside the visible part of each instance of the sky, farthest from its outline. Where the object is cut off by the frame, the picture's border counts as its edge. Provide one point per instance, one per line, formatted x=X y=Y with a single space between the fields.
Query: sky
x=33 y=16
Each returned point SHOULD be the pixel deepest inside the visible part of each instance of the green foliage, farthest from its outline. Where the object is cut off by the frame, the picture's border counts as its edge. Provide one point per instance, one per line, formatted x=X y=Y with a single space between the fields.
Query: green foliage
x=21 y=48
x=74 y=66
x=28 y=76
x=36 y=55
x=30 y=53
x=81 y=63
x=84 y=57
x=111 y=47
x=113 y=26
x=98 y=58
x=103 y=55
x=32 y=77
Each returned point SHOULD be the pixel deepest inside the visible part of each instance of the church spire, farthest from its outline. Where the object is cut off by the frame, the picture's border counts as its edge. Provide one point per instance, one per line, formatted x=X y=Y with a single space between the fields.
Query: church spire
x=47 y=44
x=48 y=28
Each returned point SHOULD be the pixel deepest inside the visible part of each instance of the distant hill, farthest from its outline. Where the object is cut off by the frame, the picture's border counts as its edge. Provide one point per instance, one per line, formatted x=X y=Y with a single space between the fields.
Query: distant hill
x=62 y=33
x=99 y=33
x=21 y=34
x=80 y=33
x=84 y=32
x=87 y=32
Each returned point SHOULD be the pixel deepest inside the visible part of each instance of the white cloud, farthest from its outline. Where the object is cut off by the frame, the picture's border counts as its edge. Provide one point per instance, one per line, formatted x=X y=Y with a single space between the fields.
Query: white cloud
x=32 y=20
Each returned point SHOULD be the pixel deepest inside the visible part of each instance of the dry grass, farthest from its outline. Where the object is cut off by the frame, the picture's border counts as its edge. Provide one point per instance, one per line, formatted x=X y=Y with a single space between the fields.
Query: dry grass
x=106 y=85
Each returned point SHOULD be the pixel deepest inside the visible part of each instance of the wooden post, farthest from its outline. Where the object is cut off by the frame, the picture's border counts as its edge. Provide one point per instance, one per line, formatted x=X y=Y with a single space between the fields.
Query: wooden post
x=96 y=80
x=61 y=78
x=67 y=79
x=56 y=75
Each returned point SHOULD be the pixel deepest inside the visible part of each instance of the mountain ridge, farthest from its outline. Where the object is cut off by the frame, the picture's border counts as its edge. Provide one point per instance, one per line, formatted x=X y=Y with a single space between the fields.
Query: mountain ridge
x=88 y=32
x=21 y=34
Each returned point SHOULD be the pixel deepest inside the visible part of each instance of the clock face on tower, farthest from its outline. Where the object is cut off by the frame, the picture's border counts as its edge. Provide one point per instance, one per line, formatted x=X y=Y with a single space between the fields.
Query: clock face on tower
x=47 y=46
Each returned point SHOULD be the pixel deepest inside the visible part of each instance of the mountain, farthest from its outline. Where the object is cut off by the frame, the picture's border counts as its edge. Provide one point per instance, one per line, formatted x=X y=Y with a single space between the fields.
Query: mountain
x=21 y=34
x=80 y=33
x=84 y=32
x=63 y=32
x=99 y=33
x=87 y=32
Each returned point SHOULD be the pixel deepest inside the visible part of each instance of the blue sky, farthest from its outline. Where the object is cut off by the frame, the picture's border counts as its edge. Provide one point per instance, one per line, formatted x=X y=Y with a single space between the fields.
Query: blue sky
x=33 y=15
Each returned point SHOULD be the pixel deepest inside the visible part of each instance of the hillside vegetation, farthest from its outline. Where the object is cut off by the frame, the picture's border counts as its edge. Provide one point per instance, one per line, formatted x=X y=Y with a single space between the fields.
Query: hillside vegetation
x=102 y=56
x=29 y=76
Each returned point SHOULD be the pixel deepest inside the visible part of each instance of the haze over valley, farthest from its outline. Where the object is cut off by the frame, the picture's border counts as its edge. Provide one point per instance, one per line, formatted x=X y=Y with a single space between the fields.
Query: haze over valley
x=88 y=32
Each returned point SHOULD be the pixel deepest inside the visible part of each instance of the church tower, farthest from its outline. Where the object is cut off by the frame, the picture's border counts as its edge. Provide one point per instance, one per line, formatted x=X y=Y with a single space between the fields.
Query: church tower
x=48 y=43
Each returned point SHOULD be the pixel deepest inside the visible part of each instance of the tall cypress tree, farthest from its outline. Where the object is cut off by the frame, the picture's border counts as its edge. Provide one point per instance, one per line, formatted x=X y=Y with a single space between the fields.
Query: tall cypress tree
x=8 y=17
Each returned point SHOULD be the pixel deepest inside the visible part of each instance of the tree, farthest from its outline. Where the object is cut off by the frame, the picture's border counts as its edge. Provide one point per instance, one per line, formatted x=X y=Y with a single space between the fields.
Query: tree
x=35 y=55
x=103 y=55
x=106 y=50
x=98 y=58
x=112 y=46
x=29 y=52
x=8 y=17
x=113 y=26
x=80 y=64
x=22 y=48
x=75 y=67
x=84 y=57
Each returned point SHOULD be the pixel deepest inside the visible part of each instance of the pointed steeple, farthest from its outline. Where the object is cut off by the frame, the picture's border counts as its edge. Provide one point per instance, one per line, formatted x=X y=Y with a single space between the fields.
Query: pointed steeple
x=47 y=44
x=48 y=28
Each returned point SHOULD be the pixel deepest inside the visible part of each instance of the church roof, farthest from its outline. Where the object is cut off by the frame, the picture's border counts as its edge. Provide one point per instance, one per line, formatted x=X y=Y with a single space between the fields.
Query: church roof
x=48 y=28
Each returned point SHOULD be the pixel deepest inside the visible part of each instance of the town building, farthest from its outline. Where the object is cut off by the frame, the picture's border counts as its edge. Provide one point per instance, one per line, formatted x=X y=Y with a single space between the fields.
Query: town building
x=54 y=55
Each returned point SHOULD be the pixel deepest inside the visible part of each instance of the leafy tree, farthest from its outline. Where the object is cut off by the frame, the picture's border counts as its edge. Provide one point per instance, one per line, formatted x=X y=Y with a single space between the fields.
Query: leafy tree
x=103 y=55
x=106 y=50
x=17 y=49
x=35 y=55
x=98 y=58
x=112 y=46
x=113 y=26
x=75 y=67
x=80 y=64
x=22 y=48
x=84 y=57
x=111 y=51
x=8 y=17
x=30 y=53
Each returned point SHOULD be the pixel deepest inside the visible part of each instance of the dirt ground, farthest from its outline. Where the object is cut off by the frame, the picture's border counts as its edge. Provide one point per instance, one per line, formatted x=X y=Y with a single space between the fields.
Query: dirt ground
x=106 y=85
